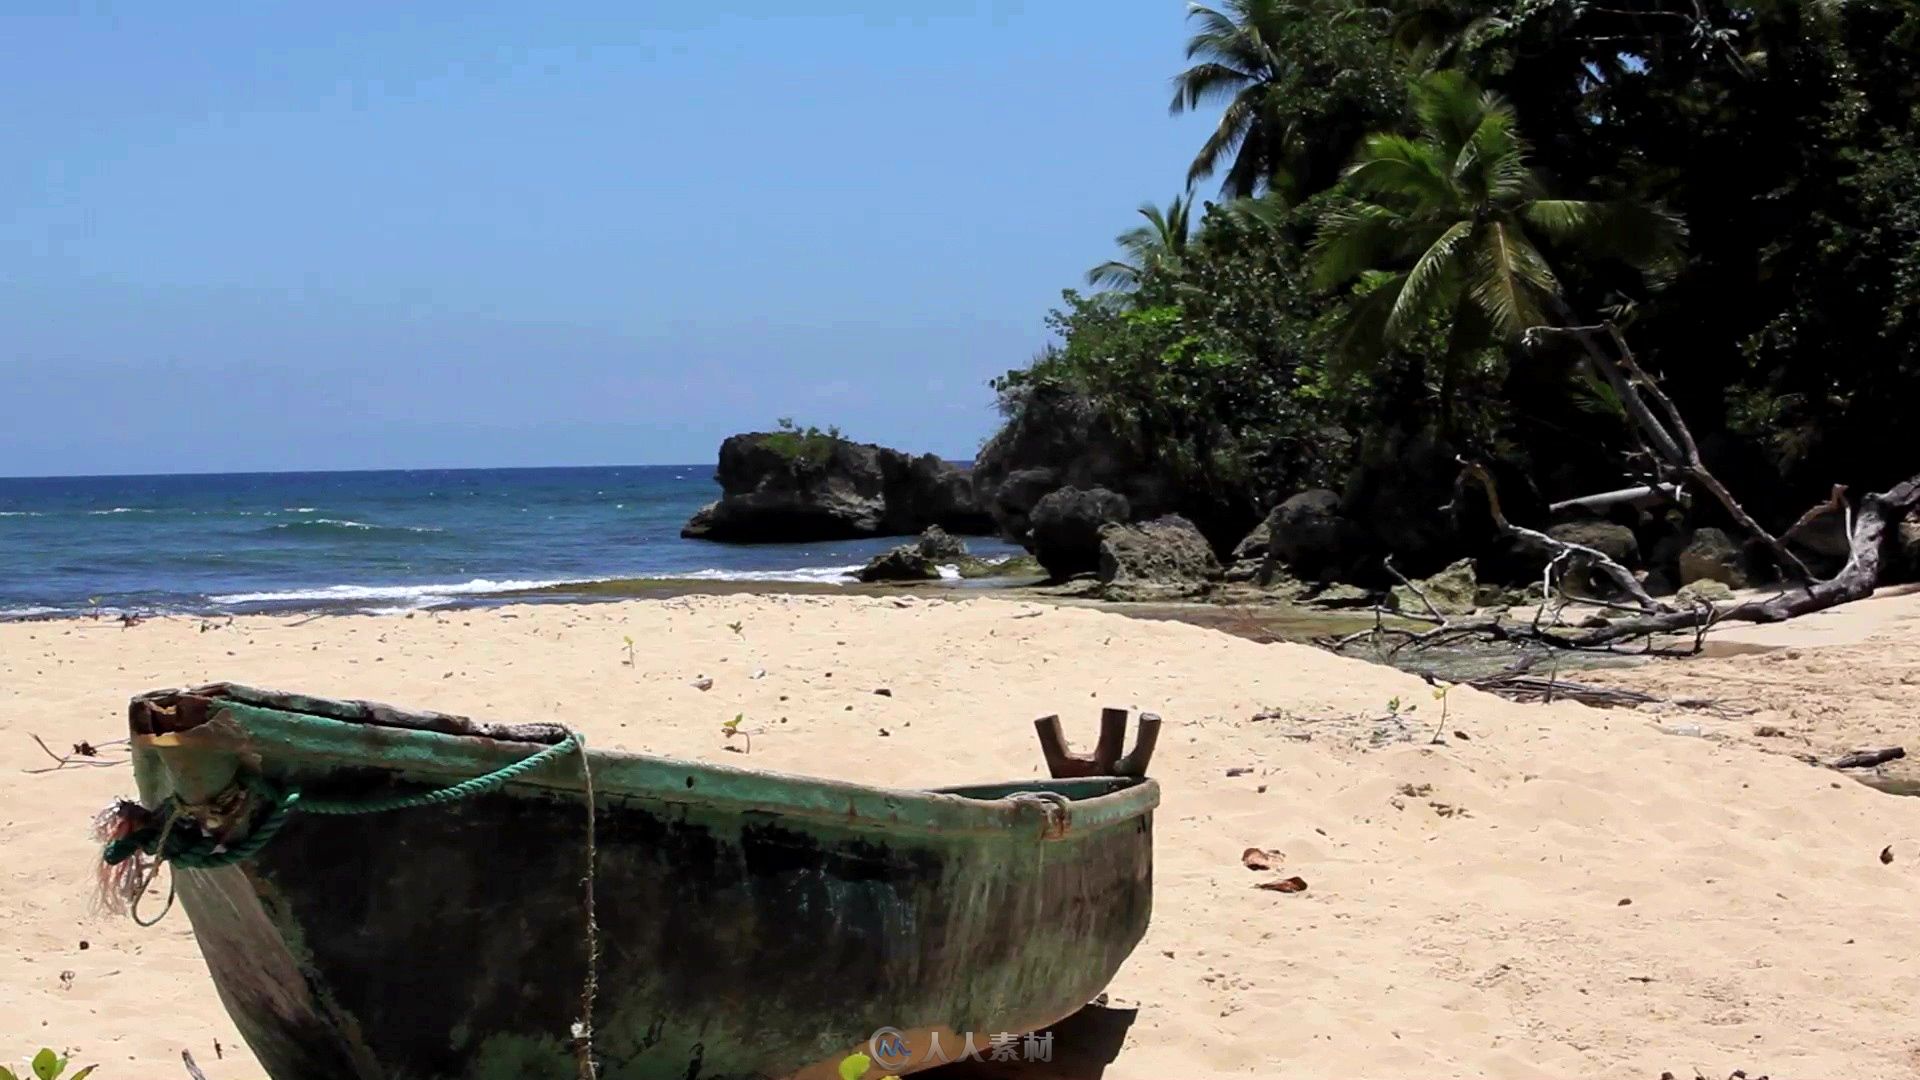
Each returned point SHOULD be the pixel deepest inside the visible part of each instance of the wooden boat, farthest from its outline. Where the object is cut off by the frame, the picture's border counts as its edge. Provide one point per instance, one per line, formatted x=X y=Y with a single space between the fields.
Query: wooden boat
x=749 y=925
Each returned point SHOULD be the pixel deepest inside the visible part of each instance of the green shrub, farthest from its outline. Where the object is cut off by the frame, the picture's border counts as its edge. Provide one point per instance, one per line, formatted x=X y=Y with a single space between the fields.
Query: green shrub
x=802 y=446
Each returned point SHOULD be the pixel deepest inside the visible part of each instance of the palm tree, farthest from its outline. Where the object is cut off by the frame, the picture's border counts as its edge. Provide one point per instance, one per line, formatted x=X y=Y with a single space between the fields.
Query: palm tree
x=1162 y=241
x=1258 y=55
x=1440 y=229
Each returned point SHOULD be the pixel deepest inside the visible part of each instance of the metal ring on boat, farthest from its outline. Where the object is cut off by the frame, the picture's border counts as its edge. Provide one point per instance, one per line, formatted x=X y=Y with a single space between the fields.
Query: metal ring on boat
x=1054 y=808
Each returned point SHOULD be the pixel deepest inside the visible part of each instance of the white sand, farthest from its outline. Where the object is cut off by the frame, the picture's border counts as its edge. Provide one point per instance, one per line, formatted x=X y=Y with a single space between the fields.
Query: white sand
x=1763 y=932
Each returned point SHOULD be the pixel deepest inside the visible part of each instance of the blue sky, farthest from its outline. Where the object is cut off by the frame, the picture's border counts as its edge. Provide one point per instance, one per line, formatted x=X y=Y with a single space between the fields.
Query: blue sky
x=260 y=235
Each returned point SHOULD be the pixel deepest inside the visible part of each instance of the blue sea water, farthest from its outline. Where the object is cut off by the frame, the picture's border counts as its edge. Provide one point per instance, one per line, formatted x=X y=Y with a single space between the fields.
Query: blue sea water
x=369 y=540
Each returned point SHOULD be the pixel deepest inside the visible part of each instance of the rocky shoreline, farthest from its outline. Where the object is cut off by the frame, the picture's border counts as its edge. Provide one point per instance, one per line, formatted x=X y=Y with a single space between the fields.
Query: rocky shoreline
x=1102 y=525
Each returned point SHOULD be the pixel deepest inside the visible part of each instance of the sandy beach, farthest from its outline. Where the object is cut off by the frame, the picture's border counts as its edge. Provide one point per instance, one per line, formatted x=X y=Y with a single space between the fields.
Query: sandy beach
x=1548 y=891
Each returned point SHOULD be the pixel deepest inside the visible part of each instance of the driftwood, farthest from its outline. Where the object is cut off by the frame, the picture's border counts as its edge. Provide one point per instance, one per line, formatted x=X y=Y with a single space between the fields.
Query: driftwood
x=1561 y=549
x=1644 y=495
x=1674 y=452
x=1664 y=438
x=1867 y=759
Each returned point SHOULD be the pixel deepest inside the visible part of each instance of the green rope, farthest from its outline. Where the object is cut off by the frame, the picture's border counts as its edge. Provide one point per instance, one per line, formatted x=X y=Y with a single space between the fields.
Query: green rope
x=194 y=847
x=466 y=789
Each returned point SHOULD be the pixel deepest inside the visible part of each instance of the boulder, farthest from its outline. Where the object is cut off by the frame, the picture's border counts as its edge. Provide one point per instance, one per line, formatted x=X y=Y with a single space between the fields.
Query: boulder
x=1616 y=542
x=1166 y=550
x=904 y=563
x=940 y=545
x=1342 y=596
x=1065 y=528
x=941 y=495
x=1711 y=555
x=1904 y=560
x=1013 y=498
x=1453 y=591
x=1705 y=589
x=1017 y=566
x=1056 y=438
x=1307 y=535
x=788 y=487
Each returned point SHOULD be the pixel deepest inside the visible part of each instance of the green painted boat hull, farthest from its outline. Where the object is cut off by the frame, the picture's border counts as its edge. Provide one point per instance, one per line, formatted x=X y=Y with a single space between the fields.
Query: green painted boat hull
x=751 y=926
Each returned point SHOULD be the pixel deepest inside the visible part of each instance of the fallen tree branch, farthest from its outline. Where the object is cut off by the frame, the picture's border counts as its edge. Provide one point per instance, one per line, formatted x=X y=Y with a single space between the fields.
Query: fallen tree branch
x=1669 y=437
x=1867 y=759
x=1618 y=574
x=1878 y=513
x=1643 y=495
x=1691 y=465
x=1415 y=589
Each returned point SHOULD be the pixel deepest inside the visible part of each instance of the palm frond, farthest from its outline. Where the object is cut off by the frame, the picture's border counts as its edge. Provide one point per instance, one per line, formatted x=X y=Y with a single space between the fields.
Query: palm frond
x=1510 y=278
x=1202 y=83
x=1564 y=220
x=1397 y=168
x=1427 y=282
x=1353 y=239
x=1645 y=235
x=1226 y=138
x=1360 y=328
x=1448 y=106
x=1114 y=274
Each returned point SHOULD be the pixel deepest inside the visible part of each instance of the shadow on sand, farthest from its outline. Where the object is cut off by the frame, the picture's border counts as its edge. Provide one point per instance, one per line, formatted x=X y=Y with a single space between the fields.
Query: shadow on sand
x=1084 y=1044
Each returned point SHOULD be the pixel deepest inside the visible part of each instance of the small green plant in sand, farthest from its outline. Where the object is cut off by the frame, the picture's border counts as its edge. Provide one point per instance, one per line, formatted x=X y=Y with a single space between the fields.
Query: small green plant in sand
x=731 y=729
x=46 y=1065
x=629 y=660
x=1440 y=695
x=737 y=627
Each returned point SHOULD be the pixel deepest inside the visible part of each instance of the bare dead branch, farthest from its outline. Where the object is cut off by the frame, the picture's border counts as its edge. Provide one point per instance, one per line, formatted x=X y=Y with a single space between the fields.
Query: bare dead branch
x=1619 y=575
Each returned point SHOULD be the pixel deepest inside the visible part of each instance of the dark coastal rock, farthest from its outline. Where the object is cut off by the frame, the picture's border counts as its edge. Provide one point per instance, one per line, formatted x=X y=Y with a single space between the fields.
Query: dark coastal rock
x=942 y=497
x=1307 y=535
x=938 y=544
x=1343 y=596
x=1705 y=590
x=1903 y=561
x=904 y=563
x=1016 y=566
x=1452 y=591
x=1065 y=528
x=1056 y=439
x=1713 y=556
x=778 y=488
x=1616 y=542
x=1166 y=550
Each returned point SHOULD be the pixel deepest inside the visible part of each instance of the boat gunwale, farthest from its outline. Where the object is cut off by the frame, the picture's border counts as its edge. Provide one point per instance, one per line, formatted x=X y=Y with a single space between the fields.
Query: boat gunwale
x=224 y=722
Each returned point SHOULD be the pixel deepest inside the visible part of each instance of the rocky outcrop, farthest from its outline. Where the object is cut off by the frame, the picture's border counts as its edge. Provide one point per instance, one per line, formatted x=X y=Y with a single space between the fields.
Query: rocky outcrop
x=1706 y=590
x=783 y=488
x=1453 y=591
x=1311 y=536
x=1166 y=550
x=938 y=544
x=1054 y=439
x=1713 y=556
x=904 y=563
x=1064 y=528
x=1616 y=542
x=922 y=559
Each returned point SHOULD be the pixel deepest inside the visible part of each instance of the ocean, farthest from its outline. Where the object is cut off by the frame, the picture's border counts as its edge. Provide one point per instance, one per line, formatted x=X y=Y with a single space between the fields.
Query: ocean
x=373 y=541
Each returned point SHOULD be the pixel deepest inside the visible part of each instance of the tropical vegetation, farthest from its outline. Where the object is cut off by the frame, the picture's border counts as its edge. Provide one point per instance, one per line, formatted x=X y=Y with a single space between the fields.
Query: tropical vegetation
x=1396 y=192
